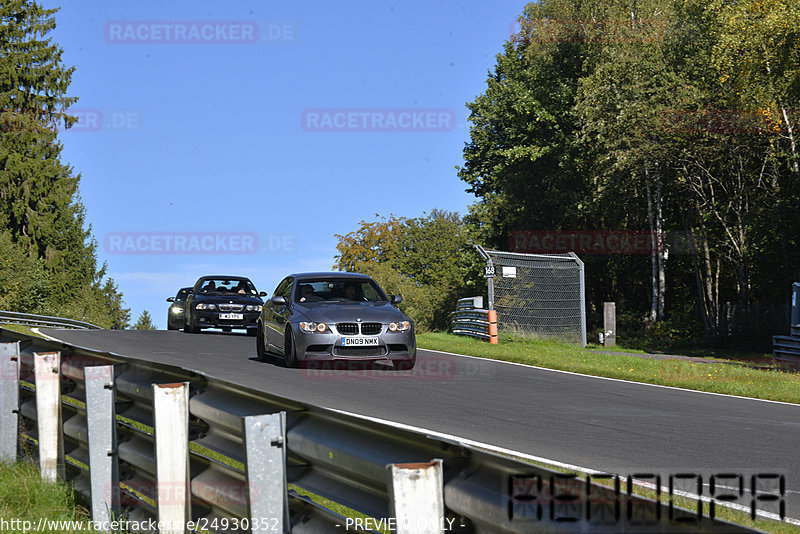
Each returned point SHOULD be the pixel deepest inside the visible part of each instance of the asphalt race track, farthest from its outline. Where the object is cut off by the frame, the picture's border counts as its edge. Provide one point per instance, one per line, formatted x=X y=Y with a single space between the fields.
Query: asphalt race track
x=606 y=425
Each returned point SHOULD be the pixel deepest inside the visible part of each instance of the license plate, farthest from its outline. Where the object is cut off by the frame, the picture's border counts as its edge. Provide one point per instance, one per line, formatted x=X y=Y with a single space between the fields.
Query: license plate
x=359 y=341
x=231 y=316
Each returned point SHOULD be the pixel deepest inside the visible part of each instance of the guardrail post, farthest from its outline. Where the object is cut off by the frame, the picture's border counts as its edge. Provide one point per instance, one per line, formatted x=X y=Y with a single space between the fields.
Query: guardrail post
x=265 y=465
x=47 y=373
x=9 y=401
x=416 y=497
x=171 y=422
x=102 y=435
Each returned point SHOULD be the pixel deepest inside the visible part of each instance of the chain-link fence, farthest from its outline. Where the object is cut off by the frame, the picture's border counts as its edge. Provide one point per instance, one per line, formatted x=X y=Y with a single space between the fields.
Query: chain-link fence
x=538 y=294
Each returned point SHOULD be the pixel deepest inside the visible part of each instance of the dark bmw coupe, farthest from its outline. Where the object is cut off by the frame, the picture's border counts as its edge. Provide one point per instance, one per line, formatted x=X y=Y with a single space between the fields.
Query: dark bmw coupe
x=314 y=317
x=225 y=302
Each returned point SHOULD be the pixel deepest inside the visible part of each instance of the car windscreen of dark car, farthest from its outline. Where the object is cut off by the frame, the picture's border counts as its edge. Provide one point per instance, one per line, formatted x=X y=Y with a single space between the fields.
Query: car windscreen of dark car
x=338 y=290
x=227 y=286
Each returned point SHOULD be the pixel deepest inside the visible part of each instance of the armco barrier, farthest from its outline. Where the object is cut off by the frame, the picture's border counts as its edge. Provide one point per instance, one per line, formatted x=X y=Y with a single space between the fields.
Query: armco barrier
x=470 y=319
x=29 y=319
x=341 y=457
x=786 y=349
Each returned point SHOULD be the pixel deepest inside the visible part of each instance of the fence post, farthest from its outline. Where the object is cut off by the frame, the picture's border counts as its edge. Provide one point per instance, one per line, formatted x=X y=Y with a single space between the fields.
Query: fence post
x=47 y=373
x=9 y=401
x=609 y=324
x=265 y=466
x=102 y=435
x=171 y=422
x=416 y=497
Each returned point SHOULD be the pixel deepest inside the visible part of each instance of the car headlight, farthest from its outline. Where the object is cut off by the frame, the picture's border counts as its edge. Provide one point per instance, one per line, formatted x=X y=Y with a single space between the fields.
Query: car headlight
x=314 y=327
x=253 y=307
x=400 y=326
x=206 y=306
x=175 y=309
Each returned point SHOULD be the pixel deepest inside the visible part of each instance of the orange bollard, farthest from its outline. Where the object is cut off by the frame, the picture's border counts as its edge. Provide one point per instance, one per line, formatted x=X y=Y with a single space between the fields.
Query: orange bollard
x=492 y=326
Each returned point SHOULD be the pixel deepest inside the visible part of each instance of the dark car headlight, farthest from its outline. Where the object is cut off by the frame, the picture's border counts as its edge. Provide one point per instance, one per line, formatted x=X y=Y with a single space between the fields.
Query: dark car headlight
x=314 y=327
x=400 y=326
x=253 y=307
x=206 y=306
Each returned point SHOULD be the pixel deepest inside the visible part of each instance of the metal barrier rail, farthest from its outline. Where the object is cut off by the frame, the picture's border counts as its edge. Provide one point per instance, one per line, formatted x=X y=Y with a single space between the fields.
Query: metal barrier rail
x=341 y=457
x=787 y=348
x=470 y=319
x=29 y=319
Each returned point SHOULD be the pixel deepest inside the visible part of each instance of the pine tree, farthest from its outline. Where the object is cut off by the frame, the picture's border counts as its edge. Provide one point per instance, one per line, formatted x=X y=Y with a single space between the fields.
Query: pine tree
x=39 y=205
x=144 y=322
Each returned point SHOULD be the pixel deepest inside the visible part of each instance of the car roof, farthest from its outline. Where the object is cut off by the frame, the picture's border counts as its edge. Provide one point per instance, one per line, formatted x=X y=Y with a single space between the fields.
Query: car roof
x=332 y=274
x=222 y=276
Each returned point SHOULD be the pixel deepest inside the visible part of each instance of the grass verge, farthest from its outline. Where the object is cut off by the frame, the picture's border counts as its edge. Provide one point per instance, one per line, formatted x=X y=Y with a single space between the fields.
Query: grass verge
x=24 y=496
x=717 y=376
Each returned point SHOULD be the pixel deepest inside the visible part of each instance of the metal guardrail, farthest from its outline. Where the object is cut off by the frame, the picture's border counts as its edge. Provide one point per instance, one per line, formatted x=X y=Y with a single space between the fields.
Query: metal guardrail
x=786 y=349
x=29 y=319
x=338 y=456
x=470 y=319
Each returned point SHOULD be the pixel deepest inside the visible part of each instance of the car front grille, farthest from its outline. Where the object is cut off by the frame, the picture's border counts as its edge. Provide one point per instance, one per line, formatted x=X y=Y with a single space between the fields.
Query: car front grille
x=230 y=307
x=347 y=329
x=352 y=329
x=358 y=351
x=371 y=329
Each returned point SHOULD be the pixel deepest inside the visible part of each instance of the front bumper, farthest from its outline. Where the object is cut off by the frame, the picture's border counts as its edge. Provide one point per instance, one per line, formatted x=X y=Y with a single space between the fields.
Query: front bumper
x=211 y=319
x=328 y=346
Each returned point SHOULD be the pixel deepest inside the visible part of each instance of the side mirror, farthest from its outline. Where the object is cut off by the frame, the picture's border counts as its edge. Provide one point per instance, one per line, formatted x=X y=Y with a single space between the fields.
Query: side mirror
x=278 y=300
x=262 y=294
x=396 y=299
x=171 y=299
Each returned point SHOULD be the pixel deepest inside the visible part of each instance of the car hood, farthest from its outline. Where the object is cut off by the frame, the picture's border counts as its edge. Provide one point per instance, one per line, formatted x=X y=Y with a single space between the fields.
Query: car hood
x=236 y=299
x=338 y=312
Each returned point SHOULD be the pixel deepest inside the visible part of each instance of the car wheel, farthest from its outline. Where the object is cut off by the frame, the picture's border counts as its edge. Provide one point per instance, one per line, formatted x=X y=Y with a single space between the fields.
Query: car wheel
x=261 y=351
x=192 y=327
x=289 y=351
x=171 y=326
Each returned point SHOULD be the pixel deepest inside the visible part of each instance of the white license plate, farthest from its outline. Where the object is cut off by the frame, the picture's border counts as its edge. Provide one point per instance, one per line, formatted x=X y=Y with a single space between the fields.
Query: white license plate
x=359 y=341
x=231 y=316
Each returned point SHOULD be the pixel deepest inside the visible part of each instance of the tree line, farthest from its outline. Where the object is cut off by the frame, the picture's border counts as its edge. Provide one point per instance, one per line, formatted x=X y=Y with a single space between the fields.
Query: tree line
x=678 y=118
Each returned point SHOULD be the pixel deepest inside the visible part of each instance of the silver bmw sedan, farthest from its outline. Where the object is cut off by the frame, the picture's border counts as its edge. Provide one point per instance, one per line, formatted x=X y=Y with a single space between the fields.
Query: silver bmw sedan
x=319 y=317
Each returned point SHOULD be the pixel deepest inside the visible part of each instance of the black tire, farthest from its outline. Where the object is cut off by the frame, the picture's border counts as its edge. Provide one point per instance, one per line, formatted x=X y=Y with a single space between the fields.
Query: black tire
x=289 y=352
x=261 y=351
x=191 y=327
x=170 y=326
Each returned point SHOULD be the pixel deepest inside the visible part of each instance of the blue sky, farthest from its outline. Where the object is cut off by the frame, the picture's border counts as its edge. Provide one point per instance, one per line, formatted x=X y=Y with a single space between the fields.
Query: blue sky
x=259 y=130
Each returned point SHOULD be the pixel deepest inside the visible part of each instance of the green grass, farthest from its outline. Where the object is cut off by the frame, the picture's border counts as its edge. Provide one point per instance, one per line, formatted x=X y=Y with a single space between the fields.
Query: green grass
x=21 y=329
x=26 y=497
x=715 y=376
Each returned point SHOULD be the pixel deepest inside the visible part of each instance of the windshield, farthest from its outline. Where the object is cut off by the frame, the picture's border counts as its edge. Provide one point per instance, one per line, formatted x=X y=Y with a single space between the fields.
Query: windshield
x=227 y=286
x=338 y=290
